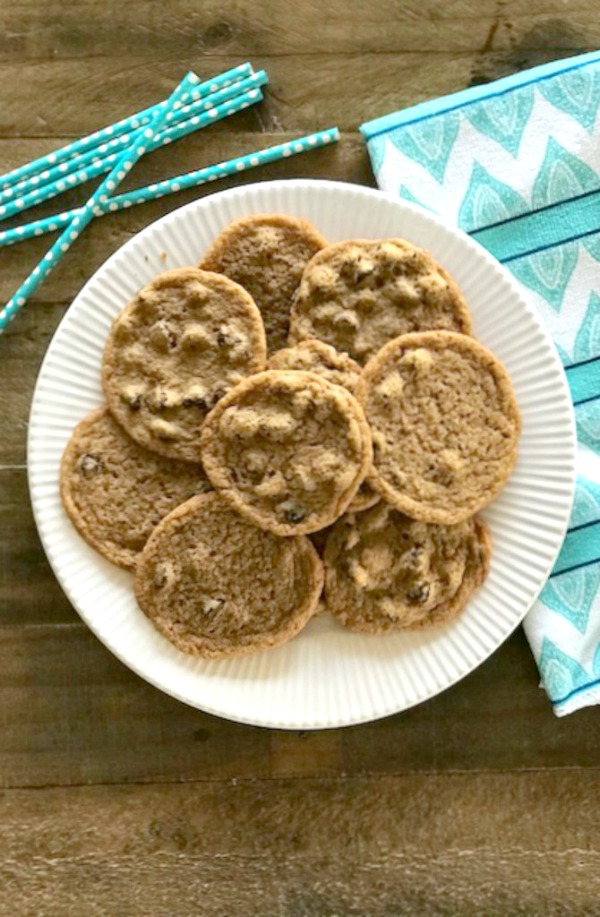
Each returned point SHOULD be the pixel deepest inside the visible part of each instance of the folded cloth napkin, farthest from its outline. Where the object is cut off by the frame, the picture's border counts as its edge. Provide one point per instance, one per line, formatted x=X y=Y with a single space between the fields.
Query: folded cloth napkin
x=516 y=163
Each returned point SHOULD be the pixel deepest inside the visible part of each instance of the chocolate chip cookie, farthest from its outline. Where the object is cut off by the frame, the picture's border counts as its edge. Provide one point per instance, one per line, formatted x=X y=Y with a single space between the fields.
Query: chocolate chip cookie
x=338 y=368
x=266 y=254
x=180 y=344
x=358 y=295
x=317 y=357
x=386 y=572
x=115 y=491
x=287 y=450
x=445 y=425
x=215 y=585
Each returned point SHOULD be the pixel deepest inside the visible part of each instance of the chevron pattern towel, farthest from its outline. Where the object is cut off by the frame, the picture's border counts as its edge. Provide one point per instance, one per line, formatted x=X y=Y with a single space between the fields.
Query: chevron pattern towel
x=516 y=163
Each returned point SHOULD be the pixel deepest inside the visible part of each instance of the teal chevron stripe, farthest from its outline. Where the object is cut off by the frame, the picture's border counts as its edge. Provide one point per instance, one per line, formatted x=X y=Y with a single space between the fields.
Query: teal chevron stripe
x=562 y=675
x=587 y=419
x=586 y=505
x=581 y=547
x=577 y=93
x=548 y=271
x=487 y=199
x=503 y=118
x=430 y=144
x=573 y=596
x=584 y=381
x=587 y=342
x=580 y=690
x=552 y=225
x=475 y=94
x=562 y=176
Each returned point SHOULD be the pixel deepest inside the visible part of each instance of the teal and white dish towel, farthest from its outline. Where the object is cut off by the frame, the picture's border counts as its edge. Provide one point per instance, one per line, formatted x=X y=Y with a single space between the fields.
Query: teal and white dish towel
x=516 y=164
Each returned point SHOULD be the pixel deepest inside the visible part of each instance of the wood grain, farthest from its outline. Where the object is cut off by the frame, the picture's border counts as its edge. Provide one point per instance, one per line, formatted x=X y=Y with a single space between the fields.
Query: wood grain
x=494 y=844
x=116 y=799
x=144 y=28
x=73 y=714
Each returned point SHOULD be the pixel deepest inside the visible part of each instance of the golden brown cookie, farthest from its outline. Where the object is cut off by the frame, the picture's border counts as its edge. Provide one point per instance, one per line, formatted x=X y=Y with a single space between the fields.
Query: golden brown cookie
x=287 y=450
x=445 y=425
x=339 y=369
x=358 y=295
x=180 y=344
x=215 y=585
x=386 y=572
x=365 y=498
x=317 y=357
x=115 y=491
x=266 y=254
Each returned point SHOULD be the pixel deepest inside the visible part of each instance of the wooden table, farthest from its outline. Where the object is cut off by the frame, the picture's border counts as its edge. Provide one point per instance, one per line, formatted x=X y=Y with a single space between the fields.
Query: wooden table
x=117 y=800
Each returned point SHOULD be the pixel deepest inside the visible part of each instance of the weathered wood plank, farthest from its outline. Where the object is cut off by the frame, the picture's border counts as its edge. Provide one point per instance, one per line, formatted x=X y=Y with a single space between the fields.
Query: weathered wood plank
x=306 y=91
x=493 y=844
x=72 y=714
x=29 y=592
x=143 y=28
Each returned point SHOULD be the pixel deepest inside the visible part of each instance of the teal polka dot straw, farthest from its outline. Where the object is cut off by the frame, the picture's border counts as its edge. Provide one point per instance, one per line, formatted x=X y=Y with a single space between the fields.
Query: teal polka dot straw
x=177 y=183
x=76 y=171
x=181 y=95
x=126 y=125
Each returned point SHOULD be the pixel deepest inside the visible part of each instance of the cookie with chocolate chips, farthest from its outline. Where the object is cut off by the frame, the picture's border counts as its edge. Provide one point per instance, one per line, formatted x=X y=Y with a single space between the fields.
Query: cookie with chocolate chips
x=386 y=572
x=180 y=344
x=317 y=357
x=287 y=450
x=338 y=368
x=115 y=491
x=215 y=585
x=358 y=295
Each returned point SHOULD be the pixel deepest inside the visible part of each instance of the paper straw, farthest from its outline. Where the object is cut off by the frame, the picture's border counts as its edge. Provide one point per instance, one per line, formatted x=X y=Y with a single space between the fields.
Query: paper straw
x=114 y=178
x=63 y=172
x=177 y=183
x=100 y=166
x=133 y=122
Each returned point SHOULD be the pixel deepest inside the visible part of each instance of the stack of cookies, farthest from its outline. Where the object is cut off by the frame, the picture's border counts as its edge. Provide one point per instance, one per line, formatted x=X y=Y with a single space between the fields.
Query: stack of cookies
x=294 y=425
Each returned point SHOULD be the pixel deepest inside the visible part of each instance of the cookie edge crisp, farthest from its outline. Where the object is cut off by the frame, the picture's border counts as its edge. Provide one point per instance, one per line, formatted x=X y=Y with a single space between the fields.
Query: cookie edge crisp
x=279 y=220
x=476 y=572
x=222 y=484
x=125 y=558
x=108 y=357
x=322 y=349
x=430 y=340
x=203 y=649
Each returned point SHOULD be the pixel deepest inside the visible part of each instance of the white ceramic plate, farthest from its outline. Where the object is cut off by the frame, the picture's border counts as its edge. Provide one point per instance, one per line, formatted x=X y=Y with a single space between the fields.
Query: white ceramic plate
x=327 y=676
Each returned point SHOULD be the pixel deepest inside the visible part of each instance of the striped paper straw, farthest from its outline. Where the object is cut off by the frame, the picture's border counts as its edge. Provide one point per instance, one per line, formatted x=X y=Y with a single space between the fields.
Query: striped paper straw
x=126 y=162
x=133 y=122
x=64 y=172
x=178 y=183
x=100 y=166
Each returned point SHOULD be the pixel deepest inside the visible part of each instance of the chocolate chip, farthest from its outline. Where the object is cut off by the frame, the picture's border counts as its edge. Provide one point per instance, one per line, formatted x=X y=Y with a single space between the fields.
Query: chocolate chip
x=419 y=593
x=414 y=556
x=361 y=272
x=90 y=465
x=225 y=338
x=133 y=402
x=216 y=396
x=160 y=577
x=195 y=403
x=293 y=515
x=156 y=400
